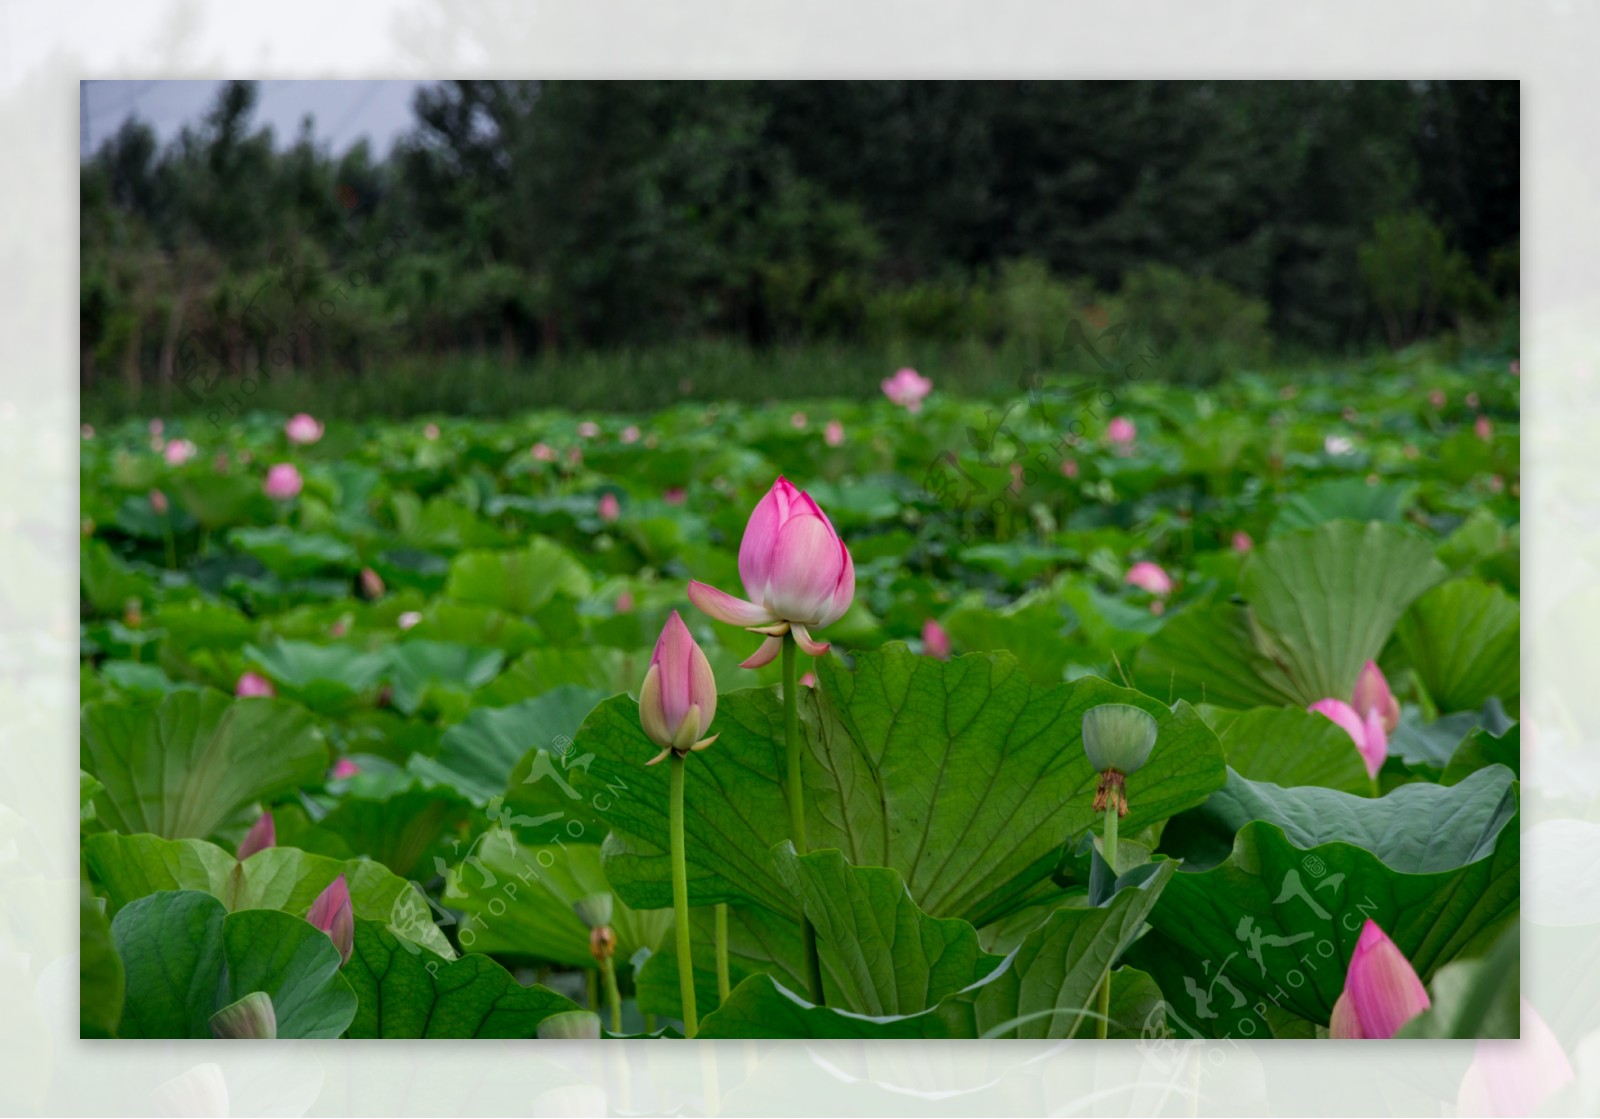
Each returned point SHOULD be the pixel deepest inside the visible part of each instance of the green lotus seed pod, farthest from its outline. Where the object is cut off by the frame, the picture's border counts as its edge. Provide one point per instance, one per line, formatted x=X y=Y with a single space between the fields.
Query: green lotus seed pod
x=250 y=1017
x=1118 y=736
x=572 y=1025
x=594 y=910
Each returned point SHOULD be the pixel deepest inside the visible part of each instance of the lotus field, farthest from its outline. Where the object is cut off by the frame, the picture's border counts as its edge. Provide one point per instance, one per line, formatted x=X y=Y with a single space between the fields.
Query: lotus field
x=1119 y=709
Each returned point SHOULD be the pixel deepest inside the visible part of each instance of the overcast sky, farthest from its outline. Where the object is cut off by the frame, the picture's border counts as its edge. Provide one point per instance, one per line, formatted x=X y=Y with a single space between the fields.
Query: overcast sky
x=343 y=112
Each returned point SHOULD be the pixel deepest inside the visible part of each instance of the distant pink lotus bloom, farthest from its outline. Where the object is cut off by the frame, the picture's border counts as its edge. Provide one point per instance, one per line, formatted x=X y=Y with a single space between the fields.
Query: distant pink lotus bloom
x=158 y=502
x=252 y=684
x=1242 y=542
x=1483 y=428
x=1437 y=398
x=341 y=628
x=1497 y=484
x=674 y=495
x=371 y=583
x=344 y=769
x=220 y=463
x=1381 y=990
x=1338 y=445
x=1516 y=368
x=283 y=482
x=808 y=680
x=87 y=431
x=935 y=640
x=1472 y=400
x=798 y=421
x=1372 y=693
x=1366 y=731
x=610 y=507
x=544 y=452
x=833 y=434
x=625 y=602
x=157 y=427
x=262 y=834
x=630 y=434
x=332 y=913
x=1069 y=467
x=1150 y=577
x=408 y=619
x=302 y=429
x=588 y=429
x=430 y=432
x=1513 y=1077
x=1121 y=431
x=574 y=455
x=907 y=388
x=1411 y=451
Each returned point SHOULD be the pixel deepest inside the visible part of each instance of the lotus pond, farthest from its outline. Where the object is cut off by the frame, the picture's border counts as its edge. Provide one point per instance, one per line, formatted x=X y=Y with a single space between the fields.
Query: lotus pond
x=363 y=752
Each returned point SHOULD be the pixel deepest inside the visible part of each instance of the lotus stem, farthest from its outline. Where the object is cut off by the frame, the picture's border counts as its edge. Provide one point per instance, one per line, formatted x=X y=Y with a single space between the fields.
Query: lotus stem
x=795 y=789
x=1103 y=1023
x=680 y=901
x=608 y=972
x=591 y=979
x=723 y=985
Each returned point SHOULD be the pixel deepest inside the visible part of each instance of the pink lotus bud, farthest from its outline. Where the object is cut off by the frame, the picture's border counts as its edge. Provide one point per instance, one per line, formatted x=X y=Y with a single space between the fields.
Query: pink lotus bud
x=833 y=434
x=332 y=914
x=1121 y=431
x=796 y=571
x=302 y=429
x=625 y=602
x=430 y=432
x=283 y=482
x=158 y=502
x=262 y=834
x=1242 y=542
x=544 y=452
x=798 y=421
x=408 y=619
x=344 y=769
x=1372 y=691
x=1149 y=576
x=1513 y=1077
x=630 y=434
x=1381 y=990
x=179 y=451
x=808 y=679
x=1437 y=398
x=371 y=583
x=907 y=388
x=1483 y=428
x=588 y=430
x=87 y=431
x=610 y=507
x=251 y=684
x=674 y=496
x=157 y=427
x=1069 y=468
x=679 y=696
x=1365 y=731
x=935 y=641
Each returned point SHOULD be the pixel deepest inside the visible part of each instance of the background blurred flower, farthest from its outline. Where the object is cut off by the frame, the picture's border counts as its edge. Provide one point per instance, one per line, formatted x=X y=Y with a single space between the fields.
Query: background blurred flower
x=252 y=684
x=1150 y=577
x=1121 y=431
x=935 y=641
x=283 y=482
x=178 y=452
x=302 y=429
x=907 y=388
x=833 y=434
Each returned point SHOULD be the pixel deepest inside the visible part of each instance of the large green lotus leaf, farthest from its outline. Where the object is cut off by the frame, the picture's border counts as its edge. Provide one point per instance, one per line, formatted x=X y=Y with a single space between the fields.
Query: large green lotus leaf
x=478 y=754
x=960 y=774
x=1349 y=499
x=518 y=900
x=1437 y=868
x=291 y=554
x=1290 y=746
x=1032 y=634
x=589 y=666
x=101 y=982
x=884 y=955
x=326 y=678
x=129 y=867
x=417 y=666
x=763 y=1007
x=219 y=500
x=471 y=624
x=1475 y=998
x=408 y=992
x=1481 y=749
x=181 y=766
x=1464 y=641
x=759 y=940
x=1325 y=600
x=1208 y=655
x=107 y=582
x=405 y=831
x=187 y=957
x=519 y=581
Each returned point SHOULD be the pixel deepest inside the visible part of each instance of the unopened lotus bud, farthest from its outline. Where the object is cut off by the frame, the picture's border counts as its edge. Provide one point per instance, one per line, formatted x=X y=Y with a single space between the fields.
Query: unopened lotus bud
x=573 y=1025
x=602 y=943
x=1118 y=738
x=250 y=1017
x=332 y=913
x=262 y=834
x=371 y=583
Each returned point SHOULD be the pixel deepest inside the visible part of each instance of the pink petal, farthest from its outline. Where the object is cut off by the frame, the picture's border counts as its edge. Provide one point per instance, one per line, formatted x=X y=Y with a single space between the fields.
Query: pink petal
x=725 y=607
x=770 y=648
x=332 y=914
x=806 y=569
x=808 y=644
x=1382 y=985
x=262 y=834
x=1513 y=1077
x=1374 y=746
x=1343 y=714
x=935 y=641
x=1372 y=691
x=756 y=549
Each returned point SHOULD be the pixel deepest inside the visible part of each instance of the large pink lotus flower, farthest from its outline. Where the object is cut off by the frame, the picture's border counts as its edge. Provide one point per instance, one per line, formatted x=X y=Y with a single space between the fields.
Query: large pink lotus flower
x=833 y=434
x=1365 y=731
x=262 y=834
x=796 y=572
x=679 y=696
x=283 y=482
x=1513 y=1077
x=1381 y=990
x=907 y=388
x=1150 y=577
x=1372 y=691
x=332 y=914
x=253 y=684
x=302 y=429
x=1121 y=431
x=935 y=640
x=179 y=451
